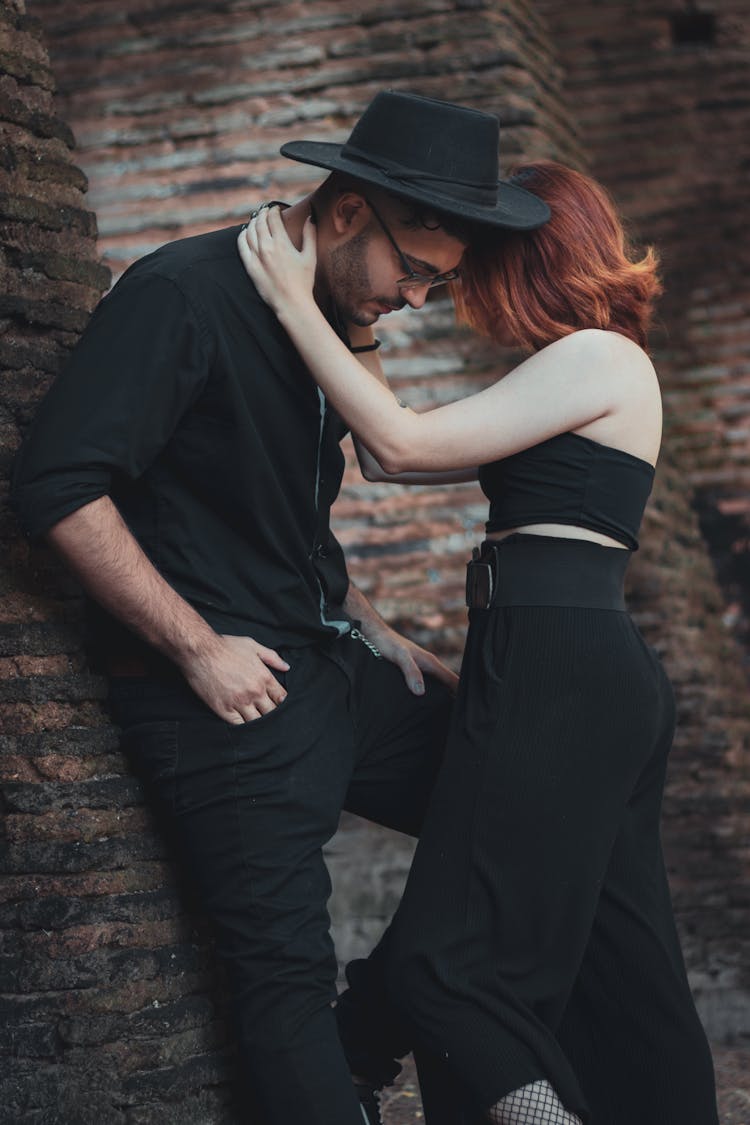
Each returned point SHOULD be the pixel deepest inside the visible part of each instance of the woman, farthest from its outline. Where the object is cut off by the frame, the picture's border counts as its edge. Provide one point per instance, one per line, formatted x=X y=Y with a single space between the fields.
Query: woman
x=535 y=948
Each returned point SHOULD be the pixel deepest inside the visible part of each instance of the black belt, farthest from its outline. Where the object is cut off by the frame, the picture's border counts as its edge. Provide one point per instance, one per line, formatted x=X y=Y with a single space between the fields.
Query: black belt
x=546 y=570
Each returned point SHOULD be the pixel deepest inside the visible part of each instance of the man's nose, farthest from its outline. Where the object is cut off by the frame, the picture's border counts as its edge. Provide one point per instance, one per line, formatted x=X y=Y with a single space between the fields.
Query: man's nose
x=416 y=295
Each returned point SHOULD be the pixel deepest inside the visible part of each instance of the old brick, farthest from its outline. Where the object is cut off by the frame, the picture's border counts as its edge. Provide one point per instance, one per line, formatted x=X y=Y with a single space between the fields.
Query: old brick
x=15 y=208
x=56 y=911
x=99 y=793
x=36 y=121
x=30 y=1041
x=186 y=136
x=76 y=856
x=137 y=876
x=63 y=267
x=52 y=313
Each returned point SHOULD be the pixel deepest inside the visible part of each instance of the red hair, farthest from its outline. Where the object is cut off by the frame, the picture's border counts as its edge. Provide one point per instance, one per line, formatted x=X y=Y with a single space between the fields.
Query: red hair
x=577 y=271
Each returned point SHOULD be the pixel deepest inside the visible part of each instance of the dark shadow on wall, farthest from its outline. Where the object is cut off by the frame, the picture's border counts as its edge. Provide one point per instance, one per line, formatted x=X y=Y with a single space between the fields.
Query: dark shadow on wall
x=727 y=535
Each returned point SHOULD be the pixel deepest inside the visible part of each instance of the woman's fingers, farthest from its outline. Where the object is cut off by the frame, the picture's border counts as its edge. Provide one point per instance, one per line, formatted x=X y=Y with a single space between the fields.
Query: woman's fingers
x=252 y=235
x=309 y=242
x=273 y=219
x=266 y=232
x=280 y=272
x=245 y=246
x=260 y=222
x=260 y=237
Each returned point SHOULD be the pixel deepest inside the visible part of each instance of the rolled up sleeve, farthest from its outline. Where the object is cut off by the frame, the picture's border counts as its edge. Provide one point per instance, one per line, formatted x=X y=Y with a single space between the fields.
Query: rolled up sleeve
x=142 y=361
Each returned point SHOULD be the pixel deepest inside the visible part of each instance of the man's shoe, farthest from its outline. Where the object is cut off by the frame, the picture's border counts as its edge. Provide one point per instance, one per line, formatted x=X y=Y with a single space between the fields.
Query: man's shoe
x=369 y=1103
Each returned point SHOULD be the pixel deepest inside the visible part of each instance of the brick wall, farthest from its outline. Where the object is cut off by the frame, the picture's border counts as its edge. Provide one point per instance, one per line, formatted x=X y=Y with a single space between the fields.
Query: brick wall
x=104 y=989
x=659 y=99
x=661 y=105
x=181 y=109
x=178 y=111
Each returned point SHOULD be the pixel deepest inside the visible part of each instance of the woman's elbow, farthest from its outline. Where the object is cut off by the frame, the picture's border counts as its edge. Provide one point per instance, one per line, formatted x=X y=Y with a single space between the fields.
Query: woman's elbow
x=396 y=458
x=396 y=446
x=372 y=472
x=391 y=466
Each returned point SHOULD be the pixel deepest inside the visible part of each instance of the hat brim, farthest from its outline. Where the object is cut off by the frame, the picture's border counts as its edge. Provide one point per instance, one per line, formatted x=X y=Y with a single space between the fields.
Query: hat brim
x=515 y=208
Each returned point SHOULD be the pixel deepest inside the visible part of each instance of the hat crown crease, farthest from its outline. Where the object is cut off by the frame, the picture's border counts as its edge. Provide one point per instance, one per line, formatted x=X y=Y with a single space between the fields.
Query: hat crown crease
x=485 y=190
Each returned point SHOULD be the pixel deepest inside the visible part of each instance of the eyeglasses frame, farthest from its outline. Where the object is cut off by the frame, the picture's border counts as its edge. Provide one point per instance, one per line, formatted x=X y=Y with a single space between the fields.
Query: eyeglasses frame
x=412 y=279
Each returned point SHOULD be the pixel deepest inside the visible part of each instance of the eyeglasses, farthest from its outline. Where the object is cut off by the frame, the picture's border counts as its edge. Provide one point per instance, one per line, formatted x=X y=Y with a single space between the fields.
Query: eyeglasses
x=411 y=278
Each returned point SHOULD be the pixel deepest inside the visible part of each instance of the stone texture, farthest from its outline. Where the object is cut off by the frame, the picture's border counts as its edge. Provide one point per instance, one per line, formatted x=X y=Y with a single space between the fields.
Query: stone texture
x=110 y=1005
x=105 y=983
x=665 y=127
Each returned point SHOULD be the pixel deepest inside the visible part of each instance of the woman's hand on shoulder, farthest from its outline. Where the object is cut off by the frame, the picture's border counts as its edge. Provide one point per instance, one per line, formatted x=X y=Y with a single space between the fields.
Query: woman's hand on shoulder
x=283 y=275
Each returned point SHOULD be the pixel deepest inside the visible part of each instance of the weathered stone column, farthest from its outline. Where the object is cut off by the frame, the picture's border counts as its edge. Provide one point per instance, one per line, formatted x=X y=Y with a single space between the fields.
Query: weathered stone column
x=656 y=94
x=104 y=1004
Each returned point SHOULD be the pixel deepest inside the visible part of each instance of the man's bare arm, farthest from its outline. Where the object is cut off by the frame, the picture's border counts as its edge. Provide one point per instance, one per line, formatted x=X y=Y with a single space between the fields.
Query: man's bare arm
x=230 y=674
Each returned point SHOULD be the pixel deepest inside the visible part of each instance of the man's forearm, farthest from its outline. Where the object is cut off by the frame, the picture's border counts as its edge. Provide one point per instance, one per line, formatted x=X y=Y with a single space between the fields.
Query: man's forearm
x=102 y=553
x=231 y=674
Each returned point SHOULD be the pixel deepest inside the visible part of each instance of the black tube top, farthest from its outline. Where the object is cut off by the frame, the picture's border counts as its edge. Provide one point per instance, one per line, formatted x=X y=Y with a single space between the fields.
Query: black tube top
x=569 y=479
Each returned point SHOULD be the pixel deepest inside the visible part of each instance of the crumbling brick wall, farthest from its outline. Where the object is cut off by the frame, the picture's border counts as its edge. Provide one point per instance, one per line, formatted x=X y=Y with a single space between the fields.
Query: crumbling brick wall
x=102 y=986
x=108 y=1001
x=659 y=99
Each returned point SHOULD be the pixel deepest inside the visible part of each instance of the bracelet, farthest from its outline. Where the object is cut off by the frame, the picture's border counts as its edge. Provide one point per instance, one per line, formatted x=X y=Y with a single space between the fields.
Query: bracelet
x=366 y=347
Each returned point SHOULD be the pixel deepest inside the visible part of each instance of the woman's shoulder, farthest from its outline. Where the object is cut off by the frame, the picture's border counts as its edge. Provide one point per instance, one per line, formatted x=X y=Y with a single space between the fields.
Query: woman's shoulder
x=634 y=419
x=603 y=344
x=605 y=354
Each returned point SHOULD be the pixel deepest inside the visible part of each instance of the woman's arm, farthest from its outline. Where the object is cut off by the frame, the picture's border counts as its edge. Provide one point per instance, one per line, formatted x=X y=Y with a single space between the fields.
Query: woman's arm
x=370 y=467
x=575 y=380
x=372 y=470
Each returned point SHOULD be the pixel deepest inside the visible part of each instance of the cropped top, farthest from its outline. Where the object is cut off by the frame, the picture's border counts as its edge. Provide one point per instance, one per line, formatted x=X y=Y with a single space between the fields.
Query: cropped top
x=569 y=479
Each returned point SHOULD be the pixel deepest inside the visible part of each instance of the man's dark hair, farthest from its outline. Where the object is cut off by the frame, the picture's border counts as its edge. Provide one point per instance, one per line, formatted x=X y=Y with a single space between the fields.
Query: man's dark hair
x=422 y=215
x=417 y=214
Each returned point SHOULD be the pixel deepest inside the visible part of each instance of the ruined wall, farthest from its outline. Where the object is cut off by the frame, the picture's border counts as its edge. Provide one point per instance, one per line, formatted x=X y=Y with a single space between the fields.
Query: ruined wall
x=110 y=1010
x=181 y=109
x=659 y=99
x=661 y=105
x=101 y=985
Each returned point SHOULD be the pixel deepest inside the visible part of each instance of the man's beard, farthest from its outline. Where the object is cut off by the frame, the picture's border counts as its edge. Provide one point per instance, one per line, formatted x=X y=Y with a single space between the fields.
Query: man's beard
x=350 y=281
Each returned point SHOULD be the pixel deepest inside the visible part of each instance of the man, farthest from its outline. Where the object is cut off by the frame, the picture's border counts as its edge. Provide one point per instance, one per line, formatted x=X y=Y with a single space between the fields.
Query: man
x=184 y=466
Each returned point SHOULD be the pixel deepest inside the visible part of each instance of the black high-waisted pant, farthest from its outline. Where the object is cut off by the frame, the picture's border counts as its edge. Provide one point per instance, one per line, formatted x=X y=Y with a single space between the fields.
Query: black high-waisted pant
x=535 y=939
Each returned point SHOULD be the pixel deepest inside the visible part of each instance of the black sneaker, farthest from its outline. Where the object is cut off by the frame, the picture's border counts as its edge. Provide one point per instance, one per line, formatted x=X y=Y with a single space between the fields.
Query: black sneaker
x=369 y=1103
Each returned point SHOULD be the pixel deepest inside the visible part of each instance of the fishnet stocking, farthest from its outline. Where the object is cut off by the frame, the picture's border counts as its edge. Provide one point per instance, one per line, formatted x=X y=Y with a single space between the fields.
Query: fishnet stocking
x=535 y=1104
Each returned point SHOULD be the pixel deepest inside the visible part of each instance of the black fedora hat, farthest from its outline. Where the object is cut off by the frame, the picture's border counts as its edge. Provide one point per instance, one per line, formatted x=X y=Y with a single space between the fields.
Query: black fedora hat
x=433 y=152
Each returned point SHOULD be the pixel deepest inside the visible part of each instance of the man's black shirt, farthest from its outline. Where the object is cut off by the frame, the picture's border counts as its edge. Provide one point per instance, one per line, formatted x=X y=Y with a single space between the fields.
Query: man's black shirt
x=187 y=403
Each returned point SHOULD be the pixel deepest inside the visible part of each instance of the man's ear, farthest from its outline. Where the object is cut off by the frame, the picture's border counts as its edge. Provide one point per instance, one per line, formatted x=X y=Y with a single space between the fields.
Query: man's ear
x=350 y=213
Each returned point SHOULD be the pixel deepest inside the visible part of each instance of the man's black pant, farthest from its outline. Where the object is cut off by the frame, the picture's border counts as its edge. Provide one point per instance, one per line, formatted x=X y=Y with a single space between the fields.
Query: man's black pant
x=250 y=808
